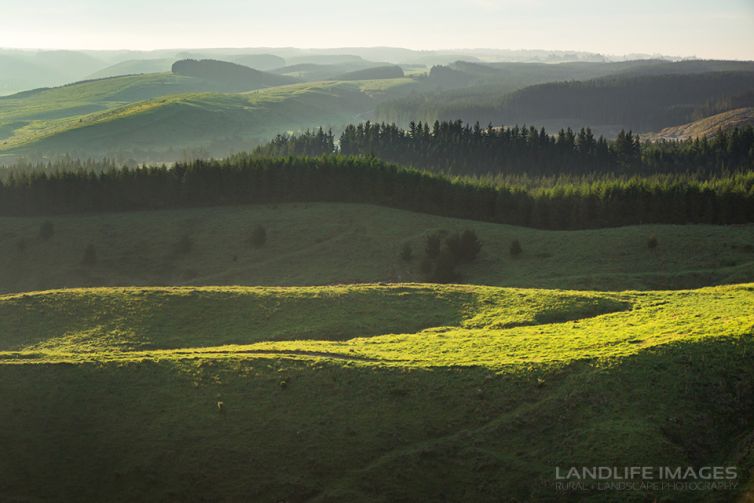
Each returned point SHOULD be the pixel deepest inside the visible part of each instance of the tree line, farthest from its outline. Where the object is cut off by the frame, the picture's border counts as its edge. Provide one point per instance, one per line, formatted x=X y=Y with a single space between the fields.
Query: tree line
x=461 y=149
x=249 y=179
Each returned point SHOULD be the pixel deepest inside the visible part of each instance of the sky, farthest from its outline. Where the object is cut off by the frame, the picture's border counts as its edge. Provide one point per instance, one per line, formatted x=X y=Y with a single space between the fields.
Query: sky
x=701 y=28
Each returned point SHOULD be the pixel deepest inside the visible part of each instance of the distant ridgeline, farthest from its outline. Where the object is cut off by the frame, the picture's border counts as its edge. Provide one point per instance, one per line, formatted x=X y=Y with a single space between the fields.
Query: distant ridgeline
x=459 y=149
x=245 y=179
x=233 y=75
x=638 y=102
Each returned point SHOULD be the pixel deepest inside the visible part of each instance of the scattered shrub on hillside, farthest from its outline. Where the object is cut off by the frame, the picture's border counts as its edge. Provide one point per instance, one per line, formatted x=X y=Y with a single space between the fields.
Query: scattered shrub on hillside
x=407 y=253
x=515 y=248
x=445 y=251
x=184 y=245
x=21 y=245
x=46 y=230
x=652 y=242
x=433 y=244
x=444 y=268
x=90 y=256
x=425 y=267
x=258 y=236
x=464 y=246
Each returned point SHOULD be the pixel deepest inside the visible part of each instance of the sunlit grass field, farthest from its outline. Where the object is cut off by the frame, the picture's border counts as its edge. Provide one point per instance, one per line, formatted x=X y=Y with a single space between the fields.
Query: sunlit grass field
x=335 y=374
x=402 y=324
x=401 y=392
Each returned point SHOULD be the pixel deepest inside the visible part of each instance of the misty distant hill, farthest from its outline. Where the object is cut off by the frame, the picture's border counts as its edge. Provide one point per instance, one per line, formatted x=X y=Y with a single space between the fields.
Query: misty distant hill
x=234 y=76
x=319 y=71
x=380 y=72
x=640 y=95
x=259 y=61
x=134 y=67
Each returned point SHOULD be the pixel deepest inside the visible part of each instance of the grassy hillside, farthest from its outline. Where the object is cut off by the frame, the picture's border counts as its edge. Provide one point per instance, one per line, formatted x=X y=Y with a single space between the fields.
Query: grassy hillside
x=30 y=115
x=708 y=126
x=456 y=392
x=120 y=115
x=315 y=244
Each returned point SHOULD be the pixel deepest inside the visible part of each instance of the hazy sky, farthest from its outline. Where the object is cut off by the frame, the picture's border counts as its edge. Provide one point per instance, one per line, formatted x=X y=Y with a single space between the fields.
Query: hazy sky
x=704 y=28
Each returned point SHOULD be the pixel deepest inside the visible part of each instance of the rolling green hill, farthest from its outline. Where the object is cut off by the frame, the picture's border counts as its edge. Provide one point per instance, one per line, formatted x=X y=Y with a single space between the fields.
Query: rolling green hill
x=133 y=67
x=168 y=112
x=369 y=393
x=233 y=77
x=318 y=243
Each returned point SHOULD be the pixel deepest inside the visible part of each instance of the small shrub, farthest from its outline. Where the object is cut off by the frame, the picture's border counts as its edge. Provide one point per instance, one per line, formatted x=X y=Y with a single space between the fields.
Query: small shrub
x=407 y=253
x=454 y=247
x=444 y=270
x=470 y=246
x=184 y=245
x=515 y=248
x=258 y=236
x=90 y=256
x=46 y=230
x=433 y=245
x=21 y=245
x=652 y=242
x=425 y=267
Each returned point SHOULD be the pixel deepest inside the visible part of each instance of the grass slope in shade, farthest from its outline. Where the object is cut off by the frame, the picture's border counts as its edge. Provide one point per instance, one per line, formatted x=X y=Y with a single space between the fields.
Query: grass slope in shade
x=316 y=244
x=368 y=393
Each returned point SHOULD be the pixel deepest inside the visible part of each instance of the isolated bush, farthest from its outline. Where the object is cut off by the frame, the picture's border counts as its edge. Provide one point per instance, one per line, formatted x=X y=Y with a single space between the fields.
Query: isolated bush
x=470 y=246
x=444 y=269
x=90 y=256
x=21 y=245
x=464 y=246
x=46 y=230
x=425 y=267
x=258 y=236
x=184 y=245
x=407 y=253
x=454 y=246
x=433 y=244
x=515 y=248
x=445 y=251
x=652 y=242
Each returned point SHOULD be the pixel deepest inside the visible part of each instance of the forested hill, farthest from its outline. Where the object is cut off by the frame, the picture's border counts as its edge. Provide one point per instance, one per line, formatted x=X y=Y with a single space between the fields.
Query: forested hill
x=629 y=101
x=234 y=76
x=640 y=103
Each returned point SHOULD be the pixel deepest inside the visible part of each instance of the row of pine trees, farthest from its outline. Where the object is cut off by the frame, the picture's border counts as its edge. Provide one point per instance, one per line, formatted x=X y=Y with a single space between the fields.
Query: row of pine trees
x=250 y=179
x=461 y=149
